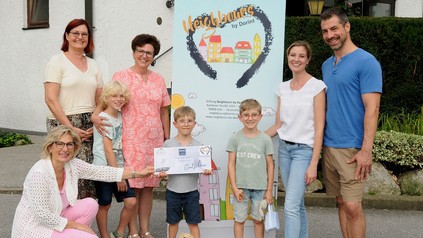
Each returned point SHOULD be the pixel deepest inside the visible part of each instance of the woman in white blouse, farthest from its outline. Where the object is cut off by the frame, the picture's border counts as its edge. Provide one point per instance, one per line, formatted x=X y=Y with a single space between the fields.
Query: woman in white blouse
x=49 y=206
x=300 y=120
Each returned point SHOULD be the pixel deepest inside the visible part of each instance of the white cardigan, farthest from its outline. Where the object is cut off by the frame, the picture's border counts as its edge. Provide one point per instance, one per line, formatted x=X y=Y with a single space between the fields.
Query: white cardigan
x=38 y=212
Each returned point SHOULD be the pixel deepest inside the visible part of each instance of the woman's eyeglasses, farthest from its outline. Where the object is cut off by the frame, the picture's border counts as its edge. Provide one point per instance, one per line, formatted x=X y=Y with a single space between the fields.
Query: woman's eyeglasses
x=143 y=52
x=61 y=144
x=77 y=34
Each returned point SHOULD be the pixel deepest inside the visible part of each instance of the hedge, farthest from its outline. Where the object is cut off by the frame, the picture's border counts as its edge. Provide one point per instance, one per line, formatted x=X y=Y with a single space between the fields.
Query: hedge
x=399 y=152
x=396 y=42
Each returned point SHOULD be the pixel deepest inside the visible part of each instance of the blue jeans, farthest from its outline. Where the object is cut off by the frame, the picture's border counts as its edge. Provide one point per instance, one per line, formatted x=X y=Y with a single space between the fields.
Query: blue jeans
x=294 y=160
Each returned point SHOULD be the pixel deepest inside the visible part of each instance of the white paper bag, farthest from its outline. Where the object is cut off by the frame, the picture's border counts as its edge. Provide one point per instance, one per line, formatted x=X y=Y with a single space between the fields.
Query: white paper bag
x=271 y=221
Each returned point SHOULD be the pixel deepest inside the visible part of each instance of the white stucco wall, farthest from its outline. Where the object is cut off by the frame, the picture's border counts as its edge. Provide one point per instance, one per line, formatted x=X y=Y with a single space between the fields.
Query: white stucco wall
x=409 y=8
x=24 y=53
x=117 y=24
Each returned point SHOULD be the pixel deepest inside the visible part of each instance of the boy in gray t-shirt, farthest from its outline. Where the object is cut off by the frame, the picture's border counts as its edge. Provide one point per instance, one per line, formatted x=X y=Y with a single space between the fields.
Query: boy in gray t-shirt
x=250 y=168
x=182 y=196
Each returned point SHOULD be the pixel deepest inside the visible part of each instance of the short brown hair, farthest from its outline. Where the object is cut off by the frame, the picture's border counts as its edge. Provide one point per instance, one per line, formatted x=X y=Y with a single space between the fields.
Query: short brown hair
x=183 y=111
x=74 y=23
x=334 y=11
x=143 y=39
x=249 y=104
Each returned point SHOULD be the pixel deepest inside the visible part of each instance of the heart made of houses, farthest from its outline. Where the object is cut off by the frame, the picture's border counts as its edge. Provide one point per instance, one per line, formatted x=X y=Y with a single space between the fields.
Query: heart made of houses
x=207 y=69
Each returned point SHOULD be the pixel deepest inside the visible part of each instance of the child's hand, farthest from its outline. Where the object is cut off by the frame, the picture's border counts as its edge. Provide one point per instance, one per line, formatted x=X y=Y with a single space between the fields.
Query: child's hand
x=207 y=171
x=239 y=194
x=268 y=196
x=122 y=187
x=162 y=174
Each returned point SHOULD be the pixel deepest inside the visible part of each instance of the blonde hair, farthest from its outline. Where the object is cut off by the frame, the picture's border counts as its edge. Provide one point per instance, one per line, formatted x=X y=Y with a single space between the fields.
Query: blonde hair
x=113 y=88
x=183 y=111
x=249 y=104
x=54 y=135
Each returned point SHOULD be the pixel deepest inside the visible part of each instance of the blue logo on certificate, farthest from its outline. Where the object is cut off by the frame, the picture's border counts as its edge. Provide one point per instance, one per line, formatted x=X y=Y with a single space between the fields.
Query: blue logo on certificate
x=182 y=152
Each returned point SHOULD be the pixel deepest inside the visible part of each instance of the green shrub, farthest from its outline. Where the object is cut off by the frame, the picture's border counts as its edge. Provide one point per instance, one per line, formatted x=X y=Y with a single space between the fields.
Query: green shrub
x=11 y=138
x=398 y=152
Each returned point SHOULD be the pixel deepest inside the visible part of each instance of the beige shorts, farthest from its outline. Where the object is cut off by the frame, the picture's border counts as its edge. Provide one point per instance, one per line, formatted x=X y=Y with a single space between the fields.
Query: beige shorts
x=339 y=176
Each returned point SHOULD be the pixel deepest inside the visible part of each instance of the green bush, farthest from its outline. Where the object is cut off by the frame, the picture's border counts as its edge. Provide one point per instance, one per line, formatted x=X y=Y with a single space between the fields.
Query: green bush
x=398 y=152
x=11 y=138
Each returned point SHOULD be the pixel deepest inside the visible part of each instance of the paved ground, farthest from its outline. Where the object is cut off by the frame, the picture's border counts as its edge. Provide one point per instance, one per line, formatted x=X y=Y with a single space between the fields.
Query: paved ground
x=323 y=221
x=388 y=222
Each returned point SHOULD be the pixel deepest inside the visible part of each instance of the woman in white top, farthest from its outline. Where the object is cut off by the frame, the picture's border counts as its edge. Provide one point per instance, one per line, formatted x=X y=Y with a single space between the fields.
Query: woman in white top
x=49 y=207
x=72 y=86
x=300 y=120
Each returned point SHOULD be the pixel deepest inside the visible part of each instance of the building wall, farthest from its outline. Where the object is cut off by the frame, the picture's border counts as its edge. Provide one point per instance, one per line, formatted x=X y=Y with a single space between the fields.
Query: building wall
x=24 y=53
x=409 y=8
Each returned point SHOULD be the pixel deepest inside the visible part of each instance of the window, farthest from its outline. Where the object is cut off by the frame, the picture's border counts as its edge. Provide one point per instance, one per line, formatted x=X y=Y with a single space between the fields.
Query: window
x=212 y=179
x=37 y=14
x=213 y=194
x=214 y=210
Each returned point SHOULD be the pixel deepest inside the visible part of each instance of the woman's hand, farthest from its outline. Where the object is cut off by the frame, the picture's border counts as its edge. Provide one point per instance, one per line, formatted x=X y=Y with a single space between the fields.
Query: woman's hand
x=100 y=123
x=79 y=226
x=311 y=174
x=84 y=135
x=149 y=170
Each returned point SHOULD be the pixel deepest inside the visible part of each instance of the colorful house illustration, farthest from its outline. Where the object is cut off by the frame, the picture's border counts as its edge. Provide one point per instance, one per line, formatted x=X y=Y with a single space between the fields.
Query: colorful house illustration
x=243 y=52
x=210 y=195
x=227 y=55
x=257 y=48
x=202 y=48
x=214 y=47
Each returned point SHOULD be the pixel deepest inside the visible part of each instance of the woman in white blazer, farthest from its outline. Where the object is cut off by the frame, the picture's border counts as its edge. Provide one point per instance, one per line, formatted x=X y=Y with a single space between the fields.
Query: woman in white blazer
x=49 y=206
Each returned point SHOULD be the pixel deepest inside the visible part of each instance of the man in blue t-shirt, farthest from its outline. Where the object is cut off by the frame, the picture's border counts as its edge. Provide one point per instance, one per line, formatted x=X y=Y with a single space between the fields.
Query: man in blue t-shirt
x=354 y=86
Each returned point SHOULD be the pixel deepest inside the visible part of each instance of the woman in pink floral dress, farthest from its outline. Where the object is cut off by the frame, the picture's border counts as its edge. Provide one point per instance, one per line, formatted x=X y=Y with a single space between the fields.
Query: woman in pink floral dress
x=145 y=122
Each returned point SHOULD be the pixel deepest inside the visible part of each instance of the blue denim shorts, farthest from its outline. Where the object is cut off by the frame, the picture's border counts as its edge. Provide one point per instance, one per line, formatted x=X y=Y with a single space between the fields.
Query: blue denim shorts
x=241 y=208
x=105 y=191
x=187 y=204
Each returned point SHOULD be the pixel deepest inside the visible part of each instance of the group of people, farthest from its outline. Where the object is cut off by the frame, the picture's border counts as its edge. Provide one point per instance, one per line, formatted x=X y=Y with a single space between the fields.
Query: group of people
x=113 y=128
x=98 y=124
x=339 y=114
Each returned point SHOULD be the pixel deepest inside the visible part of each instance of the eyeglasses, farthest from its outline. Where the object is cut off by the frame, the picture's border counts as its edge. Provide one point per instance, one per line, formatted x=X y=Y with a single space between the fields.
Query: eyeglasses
x=61 y=144
x=143 y=52
x=77 y=34
x=247 y=116
x=185 y=122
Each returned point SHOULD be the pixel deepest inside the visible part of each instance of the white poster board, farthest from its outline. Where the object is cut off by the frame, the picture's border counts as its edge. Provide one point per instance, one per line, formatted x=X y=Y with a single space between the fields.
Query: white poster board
x=225 y=52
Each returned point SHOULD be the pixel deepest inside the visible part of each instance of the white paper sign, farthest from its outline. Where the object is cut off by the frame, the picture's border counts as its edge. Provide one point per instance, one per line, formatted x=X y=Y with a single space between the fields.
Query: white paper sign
x=182 y=160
